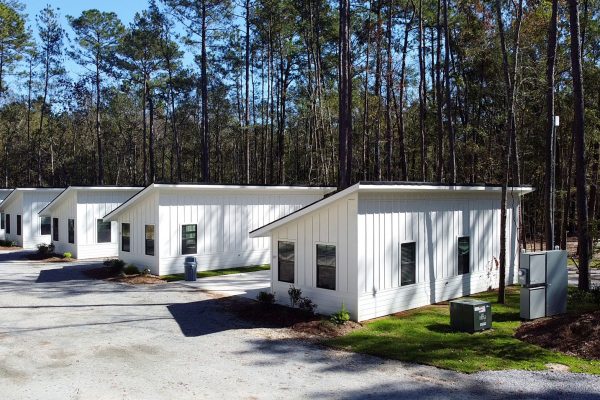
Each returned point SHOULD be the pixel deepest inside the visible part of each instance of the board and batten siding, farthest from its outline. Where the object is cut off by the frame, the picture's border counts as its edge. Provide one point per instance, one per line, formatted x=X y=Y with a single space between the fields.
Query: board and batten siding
x=224 y=219
x=434 y=222
x=144 y=213
x=334 y=224
x=28 y=203
x=86 y=207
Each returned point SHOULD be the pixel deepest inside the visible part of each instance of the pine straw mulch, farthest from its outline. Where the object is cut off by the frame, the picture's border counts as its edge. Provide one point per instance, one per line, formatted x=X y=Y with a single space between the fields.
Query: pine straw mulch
x=300 y=322
x=109 y=274
x=572 y=334
x=6 y=248
x=51 y=258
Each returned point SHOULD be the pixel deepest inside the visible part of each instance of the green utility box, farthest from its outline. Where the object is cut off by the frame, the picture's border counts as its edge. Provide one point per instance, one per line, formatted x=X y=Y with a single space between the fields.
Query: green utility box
x=470 y=315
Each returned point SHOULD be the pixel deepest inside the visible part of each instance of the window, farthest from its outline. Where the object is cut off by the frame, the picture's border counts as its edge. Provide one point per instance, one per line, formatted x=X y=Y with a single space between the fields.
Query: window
x=125 y=237
x=285 y=261
x=19 y=225
x=55 y=229
x=44 y=225
x=71 y=229
x=1 y=220
x=326 y=266
x=103 y=231
x=149 y=239
x=408 y=256
x=7 y=223
x=189 y=239
x=463 y=255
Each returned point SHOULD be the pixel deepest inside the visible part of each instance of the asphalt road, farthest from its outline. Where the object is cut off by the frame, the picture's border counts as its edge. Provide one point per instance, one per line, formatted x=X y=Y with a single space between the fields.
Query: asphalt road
x=65 y=337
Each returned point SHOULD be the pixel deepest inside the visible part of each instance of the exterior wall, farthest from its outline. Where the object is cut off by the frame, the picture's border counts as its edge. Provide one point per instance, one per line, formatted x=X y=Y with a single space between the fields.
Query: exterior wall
x=86 y=207
x=434 y=222
x=15 y=207
x=145 y=212
x=334 y=224
x=224 y=219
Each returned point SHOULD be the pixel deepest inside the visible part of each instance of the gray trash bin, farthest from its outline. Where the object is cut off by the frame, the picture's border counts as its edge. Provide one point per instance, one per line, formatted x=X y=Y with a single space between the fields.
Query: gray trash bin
x=191 y=268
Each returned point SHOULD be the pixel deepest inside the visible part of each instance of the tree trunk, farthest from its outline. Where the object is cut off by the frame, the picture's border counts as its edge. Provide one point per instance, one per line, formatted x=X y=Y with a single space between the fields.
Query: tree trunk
x=97 y=126
x=422 y=97
x=247 y=113
x=204 y=99
x=449 y=116
x=550 y=130
x=345 y=101
x=388 y=96
x=583 y=237
x=439 y=97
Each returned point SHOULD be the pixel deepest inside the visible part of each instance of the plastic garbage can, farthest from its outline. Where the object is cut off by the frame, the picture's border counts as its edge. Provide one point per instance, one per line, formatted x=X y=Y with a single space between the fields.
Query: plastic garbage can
x=191 y=268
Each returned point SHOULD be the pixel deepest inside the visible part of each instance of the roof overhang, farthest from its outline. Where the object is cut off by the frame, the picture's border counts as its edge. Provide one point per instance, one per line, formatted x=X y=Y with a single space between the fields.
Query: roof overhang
x=388 y=187
x=13 y=194
x=210 y=188
x=73 y=189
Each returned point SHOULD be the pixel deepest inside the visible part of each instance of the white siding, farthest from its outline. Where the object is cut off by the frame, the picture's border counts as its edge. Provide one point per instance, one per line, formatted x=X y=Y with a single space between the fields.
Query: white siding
x=28 y=203
x=145 y=212
x=86 y=206
x=334 y=224
x=434 y=222
x=224 y=219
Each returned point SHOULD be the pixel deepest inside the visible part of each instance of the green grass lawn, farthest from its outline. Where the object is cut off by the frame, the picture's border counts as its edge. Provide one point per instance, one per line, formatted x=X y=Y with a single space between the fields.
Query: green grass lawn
x=217 y=272
x=423 y=336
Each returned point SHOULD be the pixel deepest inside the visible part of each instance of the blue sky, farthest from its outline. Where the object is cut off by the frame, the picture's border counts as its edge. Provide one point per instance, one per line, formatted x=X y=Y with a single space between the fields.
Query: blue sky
x=125 y=9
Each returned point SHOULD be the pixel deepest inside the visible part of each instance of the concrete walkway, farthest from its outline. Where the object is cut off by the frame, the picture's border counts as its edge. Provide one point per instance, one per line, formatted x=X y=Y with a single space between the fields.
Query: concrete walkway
x=245 y=285
x=66 y=337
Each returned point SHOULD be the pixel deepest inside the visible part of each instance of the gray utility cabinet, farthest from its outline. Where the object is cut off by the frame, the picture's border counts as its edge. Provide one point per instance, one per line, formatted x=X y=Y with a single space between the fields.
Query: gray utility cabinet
x=544 y=277
x=470 y=315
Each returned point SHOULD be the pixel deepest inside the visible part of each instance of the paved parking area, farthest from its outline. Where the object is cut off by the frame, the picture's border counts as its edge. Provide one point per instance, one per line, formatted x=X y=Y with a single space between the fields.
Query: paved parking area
x=65 y=337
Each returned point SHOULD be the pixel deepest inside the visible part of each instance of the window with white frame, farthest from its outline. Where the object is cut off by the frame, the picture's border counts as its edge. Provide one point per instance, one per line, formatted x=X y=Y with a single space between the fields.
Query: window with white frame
x=408 y=263
x=285 y=261
x=189 y=239
x=45 y=227
x=464 y=251
x=326 y=263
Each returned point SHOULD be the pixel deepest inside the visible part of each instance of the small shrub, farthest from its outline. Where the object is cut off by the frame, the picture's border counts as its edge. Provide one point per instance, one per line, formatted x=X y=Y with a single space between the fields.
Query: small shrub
x=266 y=298
x=115 y=264
x=295 y=295
x=45 y=249
x=307 y=304
x=8 y=243
x=131 y=270
x=67 y=254
x=340 y=317
x=146 y=271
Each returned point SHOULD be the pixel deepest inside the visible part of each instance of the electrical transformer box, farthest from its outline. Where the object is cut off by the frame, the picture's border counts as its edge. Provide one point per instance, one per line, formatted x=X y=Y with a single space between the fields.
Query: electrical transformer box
x=470 y=315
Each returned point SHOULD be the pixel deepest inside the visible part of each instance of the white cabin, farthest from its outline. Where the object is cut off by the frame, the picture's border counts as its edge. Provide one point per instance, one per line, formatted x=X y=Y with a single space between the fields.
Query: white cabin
x=22 y=223
x=381 y=248
x=164 y=223
x=3 y=194
x=76 y=217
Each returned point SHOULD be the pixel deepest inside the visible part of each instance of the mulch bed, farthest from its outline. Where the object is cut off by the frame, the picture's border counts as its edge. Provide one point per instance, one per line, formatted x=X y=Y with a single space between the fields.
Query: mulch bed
x=10 y=248
x=577 y=335
x=109 y=274
x=48 y=258
x=278 y=316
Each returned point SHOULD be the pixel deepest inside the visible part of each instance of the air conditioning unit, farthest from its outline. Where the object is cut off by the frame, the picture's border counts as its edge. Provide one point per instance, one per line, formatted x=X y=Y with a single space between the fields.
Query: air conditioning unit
x=470 y=315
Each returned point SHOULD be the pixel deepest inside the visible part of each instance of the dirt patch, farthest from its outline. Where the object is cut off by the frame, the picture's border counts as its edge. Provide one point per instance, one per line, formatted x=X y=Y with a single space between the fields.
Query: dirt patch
x=110 y=274
x=577 y=335
x=297 y=321
x=10 y=248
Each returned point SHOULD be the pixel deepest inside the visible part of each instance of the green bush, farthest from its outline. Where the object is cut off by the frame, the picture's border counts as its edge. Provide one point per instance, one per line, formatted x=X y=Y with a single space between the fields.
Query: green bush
x=115 y=264
x=266 y=298
x=131 y=270
x=67 y=254
x=45 y=249
x=307 y=305
x=295 y=295
x=8 y=243
x=340 y=317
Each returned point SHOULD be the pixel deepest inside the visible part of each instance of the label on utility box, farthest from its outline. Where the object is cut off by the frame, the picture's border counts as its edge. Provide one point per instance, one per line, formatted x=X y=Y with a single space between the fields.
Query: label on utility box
x=482 y=323
x=479 y=309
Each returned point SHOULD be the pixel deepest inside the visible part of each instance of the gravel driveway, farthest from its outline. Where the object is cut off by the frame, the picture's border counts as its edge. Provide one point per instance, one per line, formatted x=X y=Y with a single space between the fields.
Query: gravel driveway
x=65 y=337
